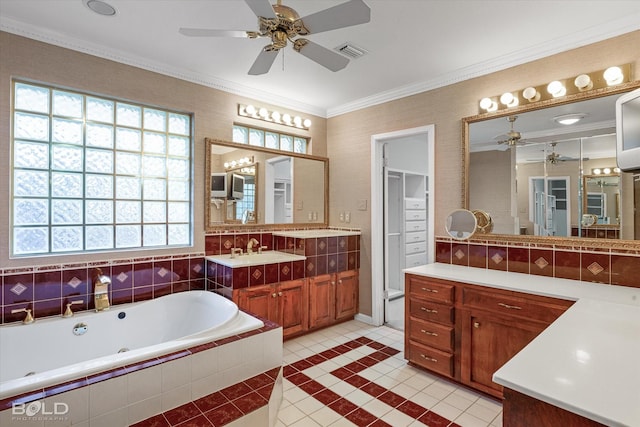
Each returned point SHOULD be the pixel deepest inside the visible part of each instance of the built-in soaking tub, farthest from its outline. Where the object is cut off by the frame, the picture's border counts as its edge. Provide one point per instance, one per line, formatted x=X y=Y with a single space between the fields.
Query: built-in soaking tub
x=150 y=356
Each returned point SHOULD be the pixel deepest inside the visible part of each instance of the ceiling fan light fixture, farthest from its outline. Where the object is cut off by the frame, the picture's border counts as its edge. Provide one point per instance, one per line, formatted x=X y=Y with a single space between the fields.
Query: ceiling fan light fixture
x=569 y=119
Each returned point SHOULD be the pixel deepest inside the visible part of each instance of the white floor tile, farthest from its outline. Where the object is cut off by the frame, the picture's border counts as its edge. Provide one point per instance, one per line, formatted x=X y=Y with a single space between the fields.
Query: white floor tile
x=397 y=418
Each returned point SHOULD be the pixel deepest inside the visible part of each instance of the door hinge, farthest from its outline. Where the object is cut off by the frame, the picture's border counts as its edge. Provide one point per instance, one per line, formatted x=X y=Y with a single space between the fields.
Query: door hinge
x=385 y=294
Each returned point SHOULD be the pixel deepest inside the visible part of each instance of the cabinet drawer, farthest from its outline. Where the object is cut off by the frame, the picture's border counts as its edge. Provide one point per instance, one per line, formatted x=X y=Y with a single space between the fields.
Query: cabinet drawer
x=414 y=237
x=430 y=358
x=428 y=289
x=415 y=204
x=512 y=305
x=415 y=260
x=411 y=226
x=413 y=248
x=415 y=215
x=431 y=334
x=432 y=311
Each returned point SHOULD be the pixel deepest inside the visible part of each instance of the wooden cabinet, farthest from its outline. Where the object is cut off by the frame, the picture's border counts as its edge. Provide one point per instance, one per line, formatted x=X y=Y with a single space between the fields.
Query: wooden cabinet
x=495 y=325
x=429 y=325
x=284 y=303
x=332 y=298
x=467 y=332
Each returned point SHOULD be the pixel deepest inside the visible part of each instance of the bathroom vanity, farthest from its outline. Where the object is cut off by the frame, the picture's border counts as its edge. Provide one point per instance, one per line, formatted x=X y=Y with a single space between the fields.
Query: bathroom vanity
x=309 y=281
x=542 y=344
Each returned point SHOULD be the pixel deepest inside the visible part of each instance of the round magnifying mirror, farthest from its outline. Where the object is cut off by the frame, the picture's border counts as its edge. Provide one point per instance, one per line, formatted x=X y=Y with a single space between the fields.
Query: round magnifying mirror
x=461 y=224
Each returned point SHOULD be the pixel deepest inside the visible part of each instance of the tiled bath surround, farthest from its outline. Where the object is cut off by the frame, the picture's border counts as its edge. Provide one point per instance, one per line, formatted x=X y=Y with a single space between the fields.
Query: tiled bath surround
x=133 y=393
x=47 y=289
x=580 y=259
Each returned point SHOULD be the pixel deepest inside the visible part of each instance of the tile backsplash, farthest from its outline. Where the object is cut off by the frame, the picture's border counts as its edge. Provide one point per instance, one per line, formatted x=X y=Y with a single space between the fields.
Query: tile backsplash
x=606 y=264
x=47 y=289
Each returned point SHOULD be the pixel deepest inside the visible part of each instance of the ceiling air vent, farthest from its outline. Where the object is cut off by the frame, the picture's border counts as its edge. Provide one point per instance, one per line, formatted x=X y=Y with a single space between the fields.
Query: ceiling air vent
x=351 y=50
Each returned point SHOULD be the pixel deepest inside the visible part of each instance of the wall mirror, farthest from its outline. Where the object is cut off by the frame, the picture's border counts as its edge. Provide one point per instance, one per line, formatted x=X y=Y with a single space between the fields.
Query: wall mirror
x=545 y=181
x=255 y=186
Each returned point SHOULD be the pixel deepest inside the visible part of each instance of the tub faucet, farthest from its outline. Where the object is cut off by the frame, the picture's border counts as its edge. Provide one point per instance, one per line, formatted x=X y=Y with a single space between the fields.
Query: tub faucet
x=28 y=318
x=235 y=251
x=250 y=245
x=101 y=290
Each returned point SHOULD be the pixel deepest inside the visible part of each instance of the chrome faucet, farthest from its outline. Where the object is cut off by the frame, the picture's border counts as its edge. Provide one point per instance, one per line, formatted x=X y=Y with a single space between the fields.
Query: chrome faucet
x=101 y=290
x=250 y=245
x=28 y=318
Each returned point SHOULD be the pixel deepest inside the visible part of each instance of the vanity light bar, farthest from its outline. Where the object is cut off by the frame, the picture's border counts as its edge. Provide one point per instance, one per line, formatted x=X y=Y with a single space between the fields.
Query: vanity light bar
x=273 y=116
x=605 y=171
x=611 y=76
x=243 y=162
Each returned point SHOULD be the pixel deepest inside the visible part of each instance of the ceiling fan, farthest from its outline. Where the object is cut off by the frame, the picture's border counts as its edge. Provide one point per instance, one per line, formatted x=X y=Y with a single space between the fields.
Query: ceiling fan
x=512 y=137
x=282 y=24
x=553 y=158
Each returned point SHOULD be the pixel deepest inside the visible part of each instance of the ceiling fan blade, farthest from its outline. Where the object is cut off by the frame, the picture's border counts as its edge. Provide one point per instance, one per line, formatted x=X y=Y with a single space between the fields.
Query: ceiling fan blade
x=353 y=12
x=203 y=32
x=263 y=62
x=323 y=56
x=262 y=8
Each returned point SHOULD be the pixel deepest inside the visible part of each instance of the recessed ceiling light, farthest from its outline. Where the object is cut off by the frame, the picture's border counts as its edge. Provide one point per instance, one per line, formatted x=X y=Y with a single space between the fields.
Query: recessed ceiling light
x=569 y=119
x=100 y=7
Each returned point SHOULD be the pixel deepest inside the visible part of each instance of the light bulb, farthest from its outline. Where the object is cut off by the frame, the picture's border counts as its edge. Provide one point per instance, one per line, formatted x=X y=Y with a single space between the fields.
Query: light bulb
x=297 y=120
x=556 y=89
x=286 y=118
x=250 y=109
x=613 y=75
x=264 y=113
x=508 y=99
x=275 y=116
x=488 y=104
x=306 y=123
x=531 y=94
x=583 y=82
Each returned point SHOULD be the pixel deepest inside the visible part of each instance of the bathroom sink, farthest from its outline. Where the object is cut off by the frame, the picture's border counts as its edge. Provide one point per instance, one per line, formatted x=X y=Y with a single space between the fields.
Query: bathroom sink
x=317 y=232
x=246 y=260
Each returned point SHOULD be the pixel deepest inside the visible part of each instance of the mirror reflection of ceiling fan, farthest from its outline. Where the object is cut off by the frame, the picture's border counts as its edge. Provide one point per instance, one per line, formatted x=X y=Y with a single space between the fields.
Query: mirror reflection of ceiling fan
x=513 y=137
x=282 y=24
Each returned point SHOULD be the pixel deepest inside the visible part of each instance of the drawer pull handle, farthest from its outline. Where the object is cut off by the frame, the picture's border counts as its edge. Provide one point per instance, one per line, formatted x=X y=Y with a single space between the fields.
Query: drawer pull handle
x=428 y=310
x=433 y=334
x=510 y=307
x=430 y=290
x=430 y=359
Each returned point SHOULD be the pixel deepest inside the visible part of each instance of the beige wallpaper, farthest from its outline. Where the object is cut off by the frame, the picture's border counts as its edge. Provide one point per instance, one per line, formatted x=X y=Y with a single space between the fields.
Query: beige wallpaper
x=345 y=139
x=214 y=114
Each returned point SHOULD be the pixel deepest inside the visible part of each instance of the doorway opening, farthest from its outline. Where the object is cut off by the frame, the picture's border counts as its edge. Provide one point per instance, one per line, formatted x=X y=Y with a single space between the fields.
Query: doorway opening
x=402 y=225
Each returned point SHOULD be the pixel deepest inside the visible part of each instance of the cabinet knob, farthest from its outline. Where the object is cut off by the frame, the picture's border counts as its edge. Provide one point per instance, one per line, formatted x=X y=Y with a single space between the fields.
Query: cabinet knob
x=279 y=294
x=333 y=282
x=340 y=282
x=476 y=325
x=273 y=295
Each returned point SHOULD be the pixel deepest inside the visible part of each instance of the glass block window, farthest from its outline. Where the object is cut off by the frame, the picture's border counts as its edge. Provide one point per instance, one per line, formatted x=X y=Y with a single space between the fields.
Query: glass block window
x=248 y=201
x=269 y=139
x=91 y=173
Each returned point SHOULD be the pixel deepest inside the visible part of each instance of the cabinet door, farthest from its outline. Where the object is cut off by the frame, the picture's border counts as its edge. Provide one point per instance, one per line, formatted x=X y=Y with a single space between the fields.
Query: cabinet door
x=491 y=342
x=346 y=294
x=292 y=298
x=321 y=300
x=260 y=300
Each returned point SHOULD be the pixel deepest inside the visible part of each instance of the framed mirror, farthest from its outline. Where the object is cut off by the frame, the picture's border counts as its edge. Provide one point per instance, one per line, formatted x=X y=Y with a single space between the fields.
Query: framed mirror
x=256 y=186
x=537 y=183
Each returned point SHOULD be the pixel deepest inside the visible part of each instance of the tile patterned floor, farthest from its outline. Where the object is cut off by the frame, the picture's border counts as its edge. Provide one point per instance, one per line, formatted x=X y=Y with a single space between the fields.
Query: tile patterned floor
x=354 y=374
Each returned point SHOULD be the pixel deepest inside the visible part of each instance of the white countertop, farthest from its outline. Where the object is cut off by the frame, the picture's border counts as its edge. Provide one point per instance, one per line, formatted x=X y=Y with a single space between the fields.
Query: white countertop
x=316 y=232
x=587 y=361
x=247 y=260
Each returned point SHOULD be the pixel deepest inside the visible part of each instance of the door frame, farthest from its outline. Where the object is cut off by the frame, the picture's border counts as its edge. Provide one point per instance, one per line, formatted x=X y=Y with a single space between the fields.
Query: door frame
x=377 y=210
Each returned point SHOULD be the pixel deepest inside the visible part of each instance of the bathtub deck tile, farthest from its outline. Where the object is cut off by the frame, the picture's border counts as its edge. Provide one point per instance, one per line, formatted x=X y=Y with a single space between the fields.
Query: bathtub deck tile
x=182 y=413
x=173 y=356
x=202 y=347
x=107 y=375
x=250 y=402
x=211 y=401
x=155 y=421
x=22 y=398
x=237 y=390
x=224 y=414
x=199 y=421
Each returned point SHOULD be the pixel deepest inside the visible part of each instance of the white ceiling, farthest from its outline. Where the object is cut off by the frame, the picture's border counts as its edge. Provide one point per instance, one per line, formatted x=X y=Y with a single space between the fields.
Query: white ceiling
x=413 y=45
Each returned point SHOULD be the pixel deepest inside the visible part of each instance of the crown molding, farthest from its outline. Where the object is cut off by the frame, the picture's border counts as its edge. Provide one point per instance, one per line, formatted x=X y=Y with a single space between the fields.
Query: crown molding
x=582 y=38
x=36 y=33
